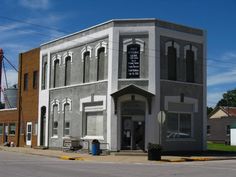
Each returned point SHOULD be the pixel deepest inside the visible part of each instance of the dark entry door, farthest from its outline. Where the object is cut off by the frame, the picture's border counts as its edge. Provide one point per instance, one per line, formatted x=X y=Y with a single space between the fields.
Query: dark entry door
x=126 y=133
x=138 y=135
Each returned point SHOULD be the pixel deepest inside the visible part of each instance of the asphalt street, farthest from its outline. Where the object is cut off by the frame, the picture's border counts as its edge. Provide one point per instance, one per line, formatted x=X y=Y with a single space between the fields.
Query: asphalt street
x=24 y=165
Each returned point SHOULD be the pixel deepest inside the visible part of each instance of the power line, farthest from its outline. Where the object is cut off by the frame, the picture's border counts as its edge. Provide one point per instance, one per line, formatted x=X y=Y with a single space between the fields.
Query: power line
x=63 y=31
x=33 y=24
x=8 y=61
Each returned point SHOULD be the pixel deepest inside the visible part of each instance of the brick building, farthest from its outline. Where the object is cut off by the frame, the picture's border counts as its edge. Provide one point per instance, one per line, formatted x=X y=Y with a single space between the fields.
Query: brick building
x=19 y=125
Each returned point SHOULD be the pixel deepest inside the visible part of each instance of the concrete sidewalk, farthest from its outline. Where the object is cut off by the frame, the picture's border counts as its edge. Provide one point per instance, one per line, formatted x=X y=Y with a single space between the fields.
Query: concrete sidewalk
x=109 y=158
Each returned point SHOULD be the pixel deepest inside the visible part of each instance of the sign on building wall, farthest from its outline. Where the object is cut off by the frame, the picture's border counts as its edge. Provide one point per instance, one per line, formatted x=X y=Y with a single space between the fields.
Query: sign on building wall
x=133 y=61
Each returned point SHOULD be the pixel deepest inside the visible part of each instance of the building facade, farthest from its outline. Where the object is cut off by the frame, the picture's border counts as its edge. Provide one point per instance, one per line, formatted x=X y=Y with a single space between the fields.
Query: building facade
x=28 y=102
x=110 y=81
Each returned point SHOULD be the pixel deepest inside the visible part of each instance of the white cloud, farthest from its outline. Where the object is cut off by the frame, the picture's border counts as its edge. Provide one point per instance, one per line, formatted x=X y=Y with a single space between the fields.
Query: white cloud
x=222 y=70
x=213 y=98
x=35 y=4
x=222 y=78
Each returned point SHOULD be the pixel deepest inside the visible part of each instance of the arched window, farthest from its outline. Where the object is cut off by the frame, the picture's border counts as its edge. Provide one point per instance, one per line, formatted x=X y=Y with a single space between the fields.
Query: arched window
x=44 y=75
x=171 y=55
x=86 y=67
x=190 y=65
x=55 y=120
x=66 y=120
x=133 y=61
x=101 y=64
x=56 y=74
x=67 y=70
x=190 y=55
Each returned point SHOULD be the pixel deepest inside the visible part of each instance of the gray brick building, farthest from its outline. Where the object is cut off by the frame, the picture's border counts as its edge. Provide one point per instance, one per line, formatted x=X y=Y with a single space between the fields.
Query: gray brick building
x=110 y=81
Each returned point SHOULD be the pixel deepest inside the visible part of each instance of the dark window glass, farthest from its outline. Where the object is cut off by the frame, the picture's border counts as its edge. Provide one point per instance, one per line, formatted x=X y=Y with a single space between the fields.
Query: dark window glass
x=172 y=63
x=56 y=73
x=1 y=129
x=86 y=67
x=67 y=70
x=228 y=129
x=26 y=81
x=12 y=129
x=35 y=79
x=101 y=64
x=208 y=129
x=189 y=66
x=44 y=75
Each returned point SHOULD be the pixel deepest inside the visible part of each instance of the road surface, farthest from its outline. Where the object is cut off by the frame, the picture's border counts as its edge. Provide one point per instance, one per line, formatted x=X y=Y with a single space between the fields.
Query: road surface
x=24 y=165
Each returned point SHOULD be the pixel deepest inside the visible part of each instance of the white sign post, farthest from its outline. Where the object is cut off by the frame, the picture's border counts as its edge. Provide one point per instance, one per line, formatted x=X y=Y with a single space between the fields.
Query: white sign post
x=161 y=117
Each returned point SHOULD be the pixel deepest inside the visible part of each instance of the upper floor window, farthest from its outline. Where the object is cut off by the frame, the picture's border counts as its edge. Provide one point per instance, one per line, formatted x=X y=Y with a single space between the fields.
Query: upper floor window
x=86 y=67
x=44 y=75
x=67 y=70
x=190 y=57
x=101 y=64
x=26 y=81
x=133 y=61
x=56 y=73
x=35 y=79
x=172 y=60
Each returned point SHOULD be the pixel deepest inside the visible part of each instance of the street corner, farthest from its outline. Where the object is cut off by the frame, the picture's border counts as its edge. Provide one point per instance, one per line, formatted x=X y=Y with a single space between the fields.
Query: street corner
x=173 y=160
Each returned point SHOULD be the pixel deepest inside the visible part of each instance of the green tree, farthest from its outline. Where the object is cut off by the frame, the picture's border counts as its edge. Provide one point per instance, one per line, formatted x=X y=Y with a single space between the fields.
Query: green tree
x=209 y=110
x=229 y=99
x=2 y=105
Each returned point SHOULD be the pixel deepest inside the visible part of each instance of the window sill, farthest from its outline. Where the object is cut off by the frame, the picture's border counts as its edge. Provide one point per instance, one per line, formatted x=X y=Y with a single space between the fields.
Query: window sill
x=54 y=137
x=92 y=137
x=11 y=135
x=66 y=137
x=180 y=140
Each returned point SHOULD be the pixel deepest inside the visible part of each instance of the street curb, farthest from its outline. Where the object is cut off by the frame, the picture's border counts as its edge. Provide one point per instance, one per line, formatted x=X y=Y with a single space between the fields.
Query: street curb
x=71 y=158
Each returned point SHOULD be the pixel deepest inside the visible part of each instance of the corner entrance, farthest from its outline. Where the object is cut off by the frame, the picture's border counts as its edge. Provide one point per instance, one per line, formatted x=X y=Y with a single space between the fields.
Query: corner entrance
x=133 y=125
x=133 y=133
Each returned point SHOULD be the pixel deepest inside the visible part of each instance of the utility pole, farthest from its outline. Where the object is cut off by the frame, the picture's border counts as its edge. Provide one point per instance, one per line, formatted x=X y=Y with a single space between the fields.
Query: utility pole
x=1 y=58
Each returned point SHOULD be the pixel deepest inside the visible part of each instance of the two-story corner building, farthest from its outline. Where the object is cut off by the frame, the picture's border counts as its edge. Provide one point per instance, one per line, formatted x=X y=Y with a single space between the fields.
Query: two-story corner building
x=110 y=81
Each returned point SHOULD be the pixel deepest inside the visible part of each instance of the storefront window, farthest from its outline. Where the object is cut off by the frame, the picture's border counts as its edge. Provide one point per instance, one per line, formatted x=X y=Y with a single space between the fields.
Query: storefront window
x=12 y=129
x=179 y=125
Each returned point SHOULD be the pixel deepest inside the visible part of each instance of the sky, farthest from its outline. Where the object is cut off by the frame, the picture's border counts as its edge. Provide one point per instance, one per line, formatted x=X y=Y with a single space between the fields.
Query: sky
x=25 y=24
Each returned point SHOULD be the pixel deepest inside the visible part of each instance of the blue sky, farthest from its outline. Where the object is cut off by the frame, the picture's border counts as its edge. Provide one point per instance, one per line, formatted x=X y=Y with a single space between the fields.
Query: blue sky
x=218 y=17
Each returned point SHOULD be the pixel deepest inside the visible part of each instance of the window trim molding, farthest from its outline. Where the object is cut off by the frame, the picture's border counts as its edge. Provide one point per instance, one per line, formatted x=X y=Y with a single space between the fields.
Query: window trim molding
x=176 y=45
x=96 y=98
x=66 y=101
x=102 y=44
x=56 y=57
x=53 y=103
x=138 y=41
x=194 y=49
x=67 y=54
x=176 y=99
x=84 y=50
